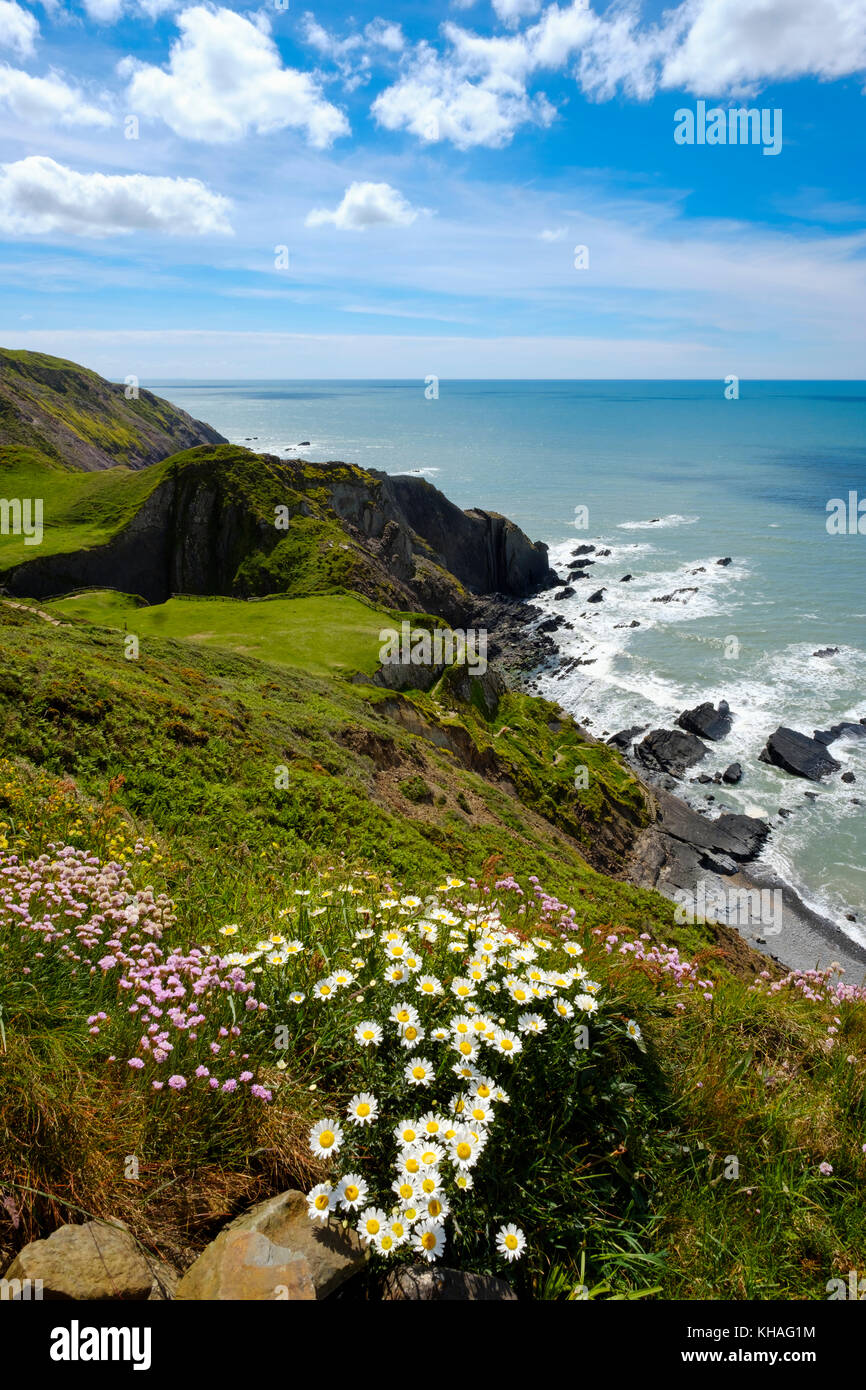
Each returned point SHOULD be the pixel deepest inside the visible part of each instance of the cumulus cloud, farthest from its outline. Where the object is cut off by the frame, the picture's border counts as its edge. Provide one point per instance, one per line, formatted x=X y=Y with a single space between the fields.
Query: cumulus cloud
x=37 y=195
x=224 y=79
x=19 y=29
x=366 y=205
x=437 y=100
x=477 y=90
x=734 y=43
x=46 y=101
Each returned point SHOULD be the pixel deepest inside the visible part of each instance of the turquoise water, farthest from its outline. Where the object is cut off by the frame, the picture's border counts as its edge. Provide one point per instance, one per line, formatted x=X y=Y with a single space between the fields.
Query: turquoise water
x=747 y=478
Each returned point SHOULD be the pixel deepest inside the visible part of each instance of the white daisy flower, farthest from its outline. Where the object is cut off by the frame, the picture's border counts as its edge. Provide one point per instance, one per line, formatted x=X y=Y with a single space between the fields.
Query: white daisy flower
x=563 y=1007
x=508 y=1044
x=352 y=1191
x=633 y=1030
x=405 y=1189
x=372 y=1225
x=363 y=1109
x=510 y=1241
x=403 y=1013
x=321 y=1201
x=326 y=1138
x=407 y=1132
x=297 y=996
x=419 y=1072
x=586 y=1003
x=325 y=989
x=428 y=1239
x=368 y=1034
x=531 y=1023
x=428 y=984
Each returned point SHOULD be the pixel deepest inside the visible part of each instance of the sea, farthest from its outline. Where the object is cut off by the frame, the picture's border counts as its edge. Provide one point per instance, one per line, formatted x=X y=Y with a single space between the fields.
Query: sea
x=669 y=477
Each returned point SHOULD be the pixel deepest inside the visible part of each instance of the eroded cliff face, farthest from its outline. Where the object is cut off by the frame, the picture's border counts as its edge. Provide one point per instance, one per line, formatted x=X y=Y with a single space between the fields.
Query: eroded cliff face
x=209 y=527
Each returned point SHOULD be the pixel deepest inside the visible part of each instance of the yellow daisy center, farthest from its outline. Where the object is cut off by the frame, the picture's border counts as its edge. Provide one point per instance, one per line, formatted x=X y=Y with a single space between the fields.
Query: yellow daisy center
x=371 y=1226
x=428 y=1240
x=351 y=1193
x=322 y=1203
x=464 y=1150
x=511 y=1242
x=418 y=1073
x=326 y=1138
x=363 y=1109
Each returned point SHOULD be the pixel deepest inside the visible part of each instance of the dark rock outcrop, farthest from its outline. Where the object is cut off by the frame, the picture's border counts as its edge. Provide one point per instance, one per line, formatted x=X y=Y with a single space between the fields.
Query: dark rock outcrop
x=844 y=730
x=706 y=721
x=733 y=773
x=798 y=754
x=669 y=750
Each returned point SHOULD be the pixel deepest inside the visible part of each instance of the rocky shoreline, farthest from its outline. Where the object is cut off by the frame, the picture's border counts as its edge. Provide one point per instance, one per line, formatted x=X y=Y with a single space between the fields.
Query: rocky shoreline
x=685 y=855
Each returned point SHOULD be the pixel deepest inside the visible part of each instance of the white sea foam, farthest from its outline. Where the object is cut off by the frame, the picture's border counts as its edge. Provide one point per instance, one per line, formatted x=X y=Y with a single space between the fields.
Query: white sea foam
x=658 y=523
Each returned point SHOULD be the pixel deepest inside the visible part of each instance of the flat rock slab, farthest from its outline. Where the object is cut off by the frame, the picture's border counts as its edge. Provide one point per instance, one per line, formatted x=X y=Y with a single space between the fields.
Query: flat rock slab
x=798 y=754
x=331 y=1253
x=431 y=1284
x=93 y=1261
x=741 y=837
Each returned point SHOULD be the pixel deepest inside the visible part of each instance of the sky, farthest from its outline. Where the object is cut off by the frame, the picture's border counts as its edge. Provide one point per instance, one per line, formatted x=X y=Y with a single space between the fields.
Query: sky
x=398 y=189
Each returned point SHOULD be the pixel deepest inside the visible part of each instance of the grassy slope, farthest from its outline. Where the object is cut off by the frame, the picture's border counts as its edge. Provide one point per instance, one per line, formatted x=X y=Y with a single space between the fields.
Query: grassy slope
x=80 y=509
x=197 y=735
x=43 y=398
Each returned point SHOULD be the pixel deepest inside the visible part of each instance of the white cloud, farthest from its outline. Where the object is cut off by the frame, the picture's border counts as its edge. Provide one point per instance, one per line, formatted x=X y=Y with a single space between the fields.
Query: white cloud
x=225 y=78
x=477 y=90
x=19 y=29
x=436 y=100
x=512 y=11
x=46 y=101
x=366 y=205
x=38 y=195
x=552 y=234
x=735 y=43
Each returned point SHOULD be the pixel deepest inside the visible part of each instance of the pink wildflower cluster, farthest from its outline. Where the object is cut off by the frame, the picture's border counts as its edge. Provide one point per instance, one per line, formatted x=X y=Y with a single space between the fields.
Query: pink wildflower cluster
x=79 y=926
x=821 y=986
x=665 y=960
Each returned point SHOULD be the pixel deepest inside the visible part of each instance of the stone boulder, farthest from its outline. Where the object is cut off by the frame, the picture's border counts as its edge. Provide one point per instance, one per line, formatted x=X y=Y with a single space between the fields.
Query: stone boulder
x=798 y=754
x=435 y=1283
x=706 y=721
x=733 y=773
x=243 y=1266
x=669 y=750
x=95 y=1261
x=289 y=1250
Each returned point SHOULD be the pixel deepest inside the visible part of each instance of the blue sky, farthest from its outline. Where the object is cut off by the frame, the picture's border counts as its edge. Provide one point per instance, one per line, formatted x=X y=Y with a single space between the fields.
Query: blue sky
x=429 y=170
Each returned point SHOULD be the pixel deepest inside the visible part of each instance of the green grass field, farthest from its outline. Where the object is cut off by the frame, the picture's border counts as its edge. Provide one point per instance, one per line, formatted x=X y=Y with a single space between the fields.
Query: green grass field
x=79 y=509
x=324 y=635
